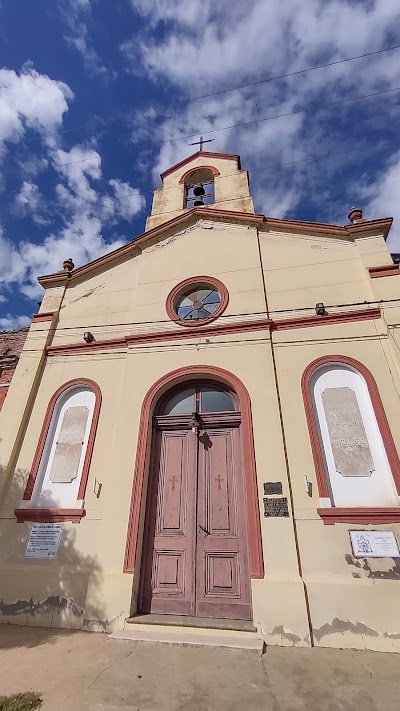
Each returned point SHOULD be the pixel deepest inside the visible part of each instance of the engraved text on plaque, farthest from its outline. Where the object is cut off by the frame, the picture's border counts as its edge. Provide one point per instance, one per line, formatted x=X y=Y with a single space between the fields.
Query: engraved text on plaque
x=350 y=447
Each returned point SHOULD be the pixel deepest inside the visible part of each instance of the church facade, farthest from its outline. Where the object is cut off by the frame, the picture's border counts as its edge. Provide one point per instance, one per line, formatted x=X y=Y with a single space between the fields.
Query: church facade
x=205 y=422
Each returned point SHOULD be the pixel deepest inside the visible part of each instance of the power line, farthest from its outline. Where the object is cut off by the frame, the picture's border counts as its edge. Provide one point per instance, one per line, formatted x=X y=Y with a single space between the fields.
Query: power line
x=162 y=347
x=318 y=107
x=223 y=316
x=288 y=113
x=292 y=74
x=122 y=114
x=229 y=175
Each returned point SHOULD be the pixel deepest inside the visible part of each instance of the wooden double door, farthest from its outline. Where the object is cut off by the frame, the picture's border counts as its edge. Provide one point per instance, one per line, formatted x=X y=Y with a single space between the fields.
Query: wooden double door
x=195 y=555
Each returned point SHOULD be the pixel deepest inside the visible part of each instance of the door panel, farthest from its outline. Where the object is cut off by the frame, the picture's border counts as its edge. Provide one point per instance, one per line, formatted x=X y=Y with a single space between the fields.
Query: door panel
x=169 y=560
x=195 y=552
x=222 y=572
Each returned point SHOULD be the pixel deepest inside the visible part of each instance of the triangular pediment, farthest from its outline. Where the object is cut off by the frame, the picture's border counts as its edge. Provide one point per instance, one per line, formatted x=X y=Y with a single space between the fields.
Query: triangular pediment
x=164 y=231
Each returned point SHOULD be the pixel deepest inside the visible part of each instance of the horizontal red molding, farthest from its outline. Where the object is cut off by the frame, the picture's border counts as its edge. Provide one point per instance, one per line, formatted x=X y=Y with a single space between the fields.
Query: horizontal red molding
x=49 y=515
x=215 y=330
x=327 y=319
x=363 y=515
x=173 y=335
x=384 y=271
x=45 y=316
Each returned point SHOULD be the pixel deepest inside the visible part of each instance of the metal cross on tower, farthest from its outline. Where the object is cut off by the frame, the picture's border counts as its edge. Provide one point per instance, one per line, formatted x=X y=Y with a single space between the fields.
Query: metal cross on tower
x=201 y=142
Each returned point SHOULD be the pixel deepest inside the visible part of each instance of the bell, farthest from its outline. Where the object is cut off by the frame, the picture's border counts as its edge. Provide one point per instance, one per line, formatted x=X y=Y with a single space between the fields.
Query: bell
x=199 y=190
x=197 y=203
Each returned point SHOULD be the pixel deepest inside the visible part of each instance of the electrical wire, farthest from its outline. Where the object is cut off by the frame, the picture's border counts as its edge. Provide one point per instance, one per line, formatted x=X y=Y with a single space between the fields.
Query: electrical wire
x=229 y=175
x=318 y=107
x=122 y=114
x=315 y=108
x=79 y=328
x=162 y=348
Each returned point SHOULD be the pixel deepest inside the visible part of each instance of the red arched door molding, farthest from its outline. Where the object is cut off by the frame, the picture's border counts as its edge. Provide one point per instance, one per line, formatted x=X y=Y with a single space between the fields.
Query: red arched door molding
x=249 y=464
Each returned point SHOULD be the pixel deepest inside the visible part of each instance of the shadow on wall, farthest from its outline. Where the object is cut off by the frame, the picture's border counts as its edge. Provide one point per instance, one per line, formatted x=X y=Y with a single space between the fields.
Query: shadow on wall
x=61 y=592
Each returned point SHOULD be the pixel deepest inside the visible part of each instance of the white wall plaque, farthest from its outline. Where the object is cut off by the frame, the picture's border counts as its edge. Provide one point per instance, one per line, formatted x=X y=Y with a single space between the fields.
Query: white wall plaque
x=374 y=544
x=44 y=540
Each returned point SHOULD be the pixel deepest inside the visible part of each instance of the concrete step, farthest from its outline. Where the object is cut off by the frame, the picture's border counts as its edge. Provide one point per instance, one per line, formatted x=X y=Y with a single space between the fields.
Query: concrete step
x=191 y=636
x=187 y=621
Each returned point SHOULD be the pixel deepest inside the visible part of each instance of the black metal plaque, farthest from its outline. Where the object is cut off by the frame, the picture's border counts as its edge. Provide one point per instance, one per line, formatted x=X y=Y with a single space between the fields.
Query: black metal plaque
x=276 y=507
x=272 y=487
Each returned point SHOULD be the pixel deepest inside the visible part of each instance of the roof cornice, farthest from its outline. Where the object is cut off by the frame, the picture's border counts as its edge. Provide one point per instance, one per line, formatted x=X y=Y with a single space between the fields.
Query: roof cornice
x=351 y=230
x=202 y=154
x=136 y=244
x=348 y=231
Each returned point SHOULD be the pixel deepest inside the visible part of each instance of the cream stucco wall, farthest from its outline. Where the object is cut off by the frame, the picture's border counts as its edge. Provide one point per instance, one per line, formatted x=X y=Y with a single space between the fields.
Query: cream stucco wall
x=341 y=588
x=309 y=569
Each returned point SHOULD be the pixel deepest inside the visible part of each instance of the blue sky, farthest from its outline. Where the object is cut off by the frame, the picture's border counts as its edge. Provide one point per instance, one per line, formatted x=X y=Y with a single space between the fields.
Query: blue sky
x=92 y=92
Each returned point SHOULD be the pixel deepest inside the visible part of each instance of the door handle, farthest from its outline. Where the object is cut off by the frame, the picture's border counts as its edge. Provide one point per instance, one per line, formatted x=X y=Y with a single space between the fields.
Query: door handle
x=204 y=529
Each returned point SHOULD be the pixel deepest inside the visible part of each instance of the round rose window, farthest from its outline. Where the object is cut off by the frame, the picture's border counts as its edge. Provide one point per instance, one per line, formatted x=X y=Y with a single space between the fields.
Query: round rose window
x=196 y=300
x=197 y=305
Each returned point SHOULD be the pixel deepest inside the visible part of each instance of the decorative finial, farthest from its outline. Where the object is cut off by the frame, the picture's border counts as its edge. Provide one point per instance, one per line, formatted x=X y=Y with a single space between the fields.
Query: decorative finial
x=68 y=265
x=355 y=215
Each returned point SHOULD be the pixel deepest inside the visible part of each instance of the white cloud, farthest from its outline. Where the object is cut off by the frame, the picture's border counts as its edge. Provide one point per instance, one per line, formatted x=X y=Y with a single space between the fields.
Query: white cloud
x=85 y=211
x=230 y=40
x=382 y=197
x=29 y=201
x=76 y=14
x=12 y=323
x=33 y=165
x=128 y=201
x=28 y=195
x=198 y=48
x=32 y=100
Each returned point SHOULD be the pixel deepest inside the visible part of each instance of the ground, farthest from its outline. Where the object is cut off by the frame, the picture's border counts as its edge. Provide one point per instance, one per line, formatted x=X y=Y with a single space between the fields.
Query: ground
x=77 y=671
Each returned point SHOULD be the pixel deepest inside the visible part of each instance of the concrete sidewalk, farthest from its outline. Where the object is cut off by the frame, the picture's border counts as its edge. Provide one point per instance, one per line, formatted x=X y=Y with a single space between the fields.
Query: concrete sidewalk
x=77 y=671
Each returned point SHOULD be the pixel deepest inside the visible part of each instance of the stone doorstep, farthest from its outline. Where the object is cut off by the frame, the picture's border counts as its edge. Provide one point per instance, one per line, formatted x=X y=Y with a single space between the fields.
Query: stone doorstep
x=187 y=621
x=191 y=636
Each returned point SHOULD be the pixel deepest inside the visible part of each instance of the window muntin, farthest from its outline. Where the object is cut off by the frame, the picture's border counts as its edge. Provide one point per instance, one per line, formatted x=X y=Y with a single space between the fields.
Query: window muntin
x=182 y=403
x=215 y=400
x=197 y=304
x=49 y=491
x=371 y=483
x=201 y=398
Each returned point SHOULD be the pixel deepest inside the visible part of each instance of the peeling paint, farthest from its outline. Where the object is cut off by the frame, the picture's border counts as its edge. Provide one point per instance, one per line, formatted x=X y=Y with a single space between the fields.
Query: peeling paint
x=103 y=625
x=286 y=634
x=52 y=604
x=392 y=635
x=373 y=567
x=338 y=626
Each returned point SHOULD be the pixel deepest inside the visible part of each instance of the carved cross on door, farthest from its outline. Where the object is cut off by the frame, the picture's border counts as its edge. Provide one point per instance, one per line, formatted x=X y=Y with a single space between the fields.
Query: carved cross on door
x=219 y=479
x=173 y=479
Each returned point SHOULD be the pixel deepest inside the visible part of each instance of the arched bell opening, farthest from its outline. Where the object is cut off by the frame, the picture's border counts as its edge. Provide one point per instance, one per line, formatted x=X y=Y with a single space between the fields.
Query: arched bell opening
x=199 y=188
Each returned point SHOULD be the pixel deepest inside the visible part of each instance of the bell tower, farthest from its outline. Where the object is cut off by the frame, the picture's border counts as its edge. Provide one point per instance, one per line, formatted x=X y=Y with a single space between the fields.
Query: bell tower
x=205 y=180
